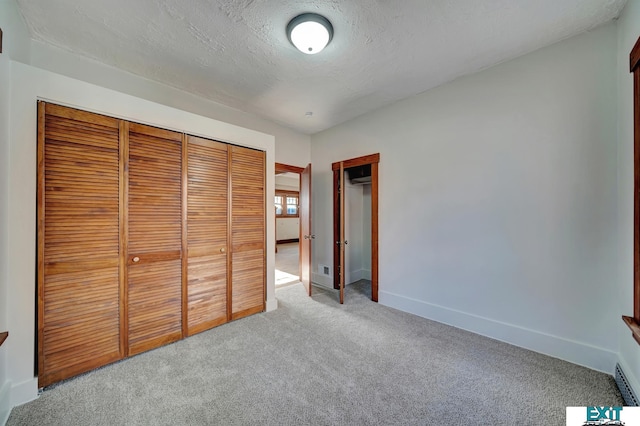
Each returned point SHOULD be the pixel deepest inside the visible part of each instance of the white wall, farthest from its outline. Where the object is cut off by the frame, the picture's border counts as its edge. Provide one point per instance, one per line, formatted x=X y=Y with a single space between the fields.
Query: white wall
x=5 y=79
x=287 y=228
x=366 y=231
x=353 y=214
x=628 y=33
x=498 y=199
x=291 y=147
x=16 y=45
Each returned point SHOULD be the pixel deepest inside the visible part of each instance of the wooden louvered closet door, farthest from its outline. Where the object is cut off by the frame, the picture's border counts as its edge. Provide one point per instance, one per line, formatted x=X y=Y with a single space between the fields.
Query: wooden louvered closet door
x=144 y=236
x=79 y=307
x=207 y=206
x=247 y=174
x=154 y=237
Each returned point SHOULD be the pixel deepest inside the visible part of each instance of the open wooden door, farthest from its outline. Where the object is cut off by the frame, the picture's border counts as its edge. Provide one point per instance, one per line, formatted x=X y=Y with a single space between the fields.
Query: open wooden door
x=368 y=163
x=305 y=228
x=342 y=241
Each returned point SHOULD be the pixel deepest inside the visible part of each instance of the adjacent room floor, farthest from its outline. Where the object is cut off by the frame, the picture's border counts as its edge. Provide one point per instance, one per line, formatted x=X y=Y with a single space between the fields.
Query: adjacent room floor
x=287 y=264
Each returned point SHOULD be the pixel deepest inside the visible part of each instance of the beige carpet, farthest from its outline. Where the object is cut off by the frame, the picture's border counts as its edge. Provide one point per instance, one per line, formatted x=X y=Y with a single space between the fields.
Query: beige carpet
x=316 y=362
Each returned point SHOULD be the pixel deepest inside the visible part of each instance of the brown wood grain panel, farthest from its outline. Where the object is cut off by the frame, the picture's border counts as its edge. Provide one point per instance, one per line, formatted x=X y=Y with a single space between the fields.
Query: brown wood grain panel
x=247 y=176
x=343 y=266
x=374 y=231
x=634 y=57
x=306 y=236
x=155 y=242
x=286 y=168
x=155 y=304
x=78 y=241
x=247 y=286
x=40 y=233
x=154 y=191
x=184 y=234
x=359 y=161
x=84 y=117
x=207 y=233
x=636 y=190
x=123 y=213
x=207 y=291
x=156 y=132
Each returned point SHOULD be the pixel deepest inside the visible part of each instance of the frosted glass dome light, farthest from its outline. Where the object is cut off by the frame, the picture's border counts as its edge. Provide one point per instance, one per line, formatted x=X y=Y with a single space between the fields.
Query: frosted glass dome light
x=310 y=32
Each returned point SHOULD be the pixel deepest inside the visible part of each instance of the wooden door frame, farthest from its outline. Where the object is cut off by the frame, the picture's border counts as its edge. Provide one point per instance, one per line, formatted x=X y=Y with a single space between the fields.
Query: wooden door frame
x=373 y=160
x=287 y=168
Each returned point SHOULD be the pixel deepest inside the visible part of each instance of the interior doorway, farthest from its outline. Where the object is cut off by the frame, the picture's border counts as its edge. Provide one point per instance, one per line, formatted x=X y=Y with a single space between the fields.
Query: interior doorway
x=293 y=225
x=355 y=214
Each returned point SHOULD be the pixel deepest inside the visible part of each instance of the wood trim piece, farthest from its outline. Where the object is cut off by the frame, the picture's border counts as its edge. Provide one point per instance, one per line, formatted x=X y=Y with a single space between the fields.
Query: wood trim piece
x=286 y=168
x=40 y=233
x=354 y=162
x=633 y=326
x=230 y=248
x=291 y=240
x=264 y=230
x=374 y=160
x=155 y=132
x=124 y=237
x=636 y=195
x=246 y=312
x=342 y=231
x=634 y=59
x=336 y=230
x=634 y=56
x=374 y=231
x=3 y=337
x=185 y=245
x=153 y=257
x=79 y=115
x=209 y=143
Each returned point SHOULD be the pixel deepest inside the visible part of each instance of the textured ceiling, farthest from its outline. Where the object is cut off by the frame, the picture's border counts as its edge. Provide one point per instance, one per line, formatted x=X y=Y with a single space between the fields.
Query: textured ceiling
x=237 y=53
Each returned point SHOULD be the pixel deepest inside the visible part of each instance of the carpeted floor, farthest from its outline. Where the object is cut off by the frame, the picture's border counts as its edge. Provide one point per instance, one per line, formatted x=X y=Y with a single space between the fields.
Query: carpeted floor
x=314 y=361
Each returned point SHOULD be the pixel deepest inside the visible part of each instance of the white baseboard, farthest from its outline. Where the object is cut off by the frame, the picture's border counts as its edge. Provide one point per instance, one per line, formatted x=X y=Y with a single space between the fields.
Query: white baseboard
x=322 y=280
x=576 y=352
x=272 y=304
x=366 y=274
x=5 y=406
x=24 y=392
x=359 y=274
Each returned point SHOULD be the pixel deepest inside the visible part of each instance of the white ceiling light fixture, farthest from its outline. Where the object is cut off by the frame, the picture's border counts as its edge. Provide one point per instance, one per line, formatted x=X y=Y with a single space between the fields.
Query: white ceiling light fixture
x=310 y=32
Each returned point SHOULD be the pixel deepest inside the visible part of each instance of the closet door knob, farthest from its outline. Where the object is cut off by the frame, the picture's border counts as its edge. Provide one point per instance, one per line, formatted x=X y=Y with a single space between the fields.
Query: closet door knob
x=136 y=259
x=222 y=250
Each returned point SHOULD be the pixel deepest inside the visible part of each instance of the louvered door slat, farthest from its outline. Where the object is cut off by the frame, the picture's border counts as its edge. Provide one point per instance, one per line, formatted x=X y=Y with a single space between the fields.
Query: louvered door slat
x=79 y=242
x=207 y=206
x=154 y=238
x=247 y=231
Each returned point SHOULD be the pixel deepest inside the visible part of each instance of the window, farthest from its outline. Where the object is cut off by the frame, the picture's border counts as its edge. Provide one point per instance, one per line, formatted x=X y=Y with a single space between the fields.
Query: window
x=286 y=203
x=634 y=321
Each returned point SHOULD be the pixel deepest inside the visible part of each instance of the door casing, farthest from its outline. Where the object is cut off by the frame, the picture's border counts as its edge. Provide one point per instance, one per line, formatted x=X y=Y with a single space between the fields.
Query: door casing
x=373 y=160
